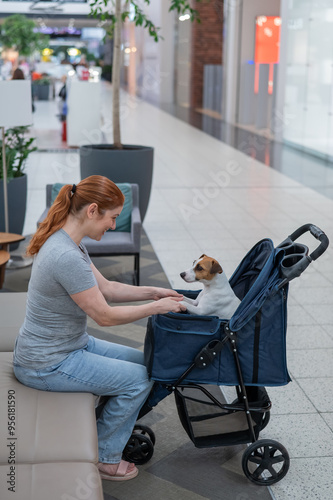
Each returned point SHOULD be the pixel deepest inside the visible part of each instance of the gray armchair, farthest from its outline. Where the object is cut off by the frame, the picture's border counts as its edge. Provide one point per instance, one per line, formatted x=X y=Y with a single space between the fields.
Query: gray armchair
x=113 y=242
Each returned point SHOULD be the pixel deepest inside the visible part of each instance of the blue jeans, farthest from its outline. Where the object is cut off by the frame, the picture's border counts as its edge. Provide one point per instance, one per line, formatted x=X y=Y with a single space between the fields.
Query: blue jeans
x=105 y=369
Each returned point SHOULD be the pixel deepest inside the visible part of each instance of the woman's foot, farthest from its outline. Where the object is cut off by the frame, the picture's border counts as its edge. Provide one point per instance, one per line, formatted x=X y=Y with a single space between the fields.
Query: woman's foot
x=117 y=472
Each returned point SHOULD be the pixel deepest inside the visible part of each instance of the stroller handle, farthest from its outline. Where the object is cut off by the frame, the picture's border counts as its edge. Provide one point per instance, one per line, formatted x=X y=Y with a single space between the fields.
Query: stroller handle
x=317 y=233
x=297 y=257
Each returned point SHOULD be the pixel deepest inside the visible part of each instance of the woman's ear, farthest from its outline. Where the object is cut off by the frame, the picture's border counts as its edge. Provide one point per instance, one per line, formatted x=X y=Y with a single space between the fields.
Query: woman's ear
x=92 y=210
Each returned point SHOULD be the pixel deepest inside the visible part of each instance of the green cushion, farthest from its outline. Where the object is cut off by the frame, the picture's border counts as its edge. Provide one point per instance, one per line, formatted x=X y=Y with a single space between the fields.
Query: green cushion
x=55 y=190
x=124 y=219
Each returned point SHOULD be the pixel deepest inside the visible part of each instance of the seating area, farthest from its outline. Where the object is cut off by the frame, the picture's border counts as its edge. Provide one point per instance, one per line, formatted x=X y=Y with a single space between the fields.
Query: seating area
x=44 y=436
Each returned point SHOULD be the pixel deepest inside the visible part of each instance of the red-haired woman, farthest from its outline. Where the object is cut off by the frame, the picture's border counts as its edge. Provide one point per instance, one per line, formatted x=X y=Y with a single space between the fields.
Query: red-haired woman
x=53 y=352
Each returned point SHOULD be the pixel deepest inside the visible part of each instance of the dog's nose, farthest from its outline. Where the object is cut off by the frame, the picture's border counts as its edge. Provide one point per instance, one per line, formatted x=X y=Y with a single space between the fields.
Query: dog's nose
x=183 y=274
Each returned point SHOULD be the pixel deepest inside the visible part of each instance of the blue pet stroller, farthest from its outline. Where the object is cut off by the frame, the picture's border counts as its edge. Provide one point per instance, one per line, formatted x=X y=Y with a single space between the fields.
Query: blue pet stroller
x=192 y=356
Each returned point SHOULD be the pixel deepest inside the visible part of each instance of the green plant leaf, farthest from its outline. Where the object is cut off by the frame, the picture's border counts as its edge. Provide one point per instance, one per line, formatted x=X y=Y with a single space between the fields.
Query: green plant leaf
x=17 y=150
x=17 y=31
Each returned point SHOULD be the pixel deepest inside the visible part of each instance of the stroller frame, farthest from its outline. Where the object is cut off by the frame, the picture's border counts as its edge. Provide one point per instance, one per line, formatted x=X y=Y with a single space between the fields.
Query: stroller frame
x=265 y=461
x=203 y=359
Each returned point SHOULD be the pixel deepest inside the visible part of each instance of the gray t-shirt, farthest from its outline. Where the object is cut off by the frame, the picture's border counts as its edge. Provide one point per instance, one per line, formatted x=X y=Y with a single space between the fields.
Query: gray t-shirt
x=54 y=324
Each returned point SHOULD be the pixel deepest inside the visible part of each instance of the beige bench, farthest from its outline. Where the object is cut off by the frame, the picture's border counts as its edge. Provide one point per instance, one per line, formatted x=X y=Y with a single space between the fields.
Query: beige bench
x=48 y=440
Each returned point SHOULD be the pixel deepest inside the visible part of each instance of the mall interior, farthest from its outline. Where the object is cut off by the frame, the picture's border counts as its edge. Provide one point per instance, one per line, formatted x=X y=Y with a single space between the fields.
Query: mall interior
x=238 y=111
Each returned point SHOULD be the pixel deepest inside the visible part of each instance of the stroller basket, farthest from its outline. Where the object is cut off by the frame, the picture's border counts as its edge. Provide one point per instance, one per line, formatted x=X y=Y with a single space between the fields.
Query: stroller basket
x=259 y=327
x=209 y=421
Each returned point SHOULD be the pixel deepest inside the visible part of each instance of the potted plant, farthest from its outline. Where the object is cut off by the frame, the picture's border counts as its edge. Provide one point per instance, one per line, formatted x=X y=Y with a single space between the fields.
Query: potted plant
x=17 y=149
x=124 y=162
x=41 y=88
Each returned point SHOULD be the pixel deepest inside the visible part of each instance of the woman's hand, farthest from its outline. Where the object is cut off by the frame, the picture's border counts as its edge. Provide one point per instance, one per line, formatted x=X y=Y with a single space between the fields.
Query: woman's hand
x=161 y=293
x=169 y=304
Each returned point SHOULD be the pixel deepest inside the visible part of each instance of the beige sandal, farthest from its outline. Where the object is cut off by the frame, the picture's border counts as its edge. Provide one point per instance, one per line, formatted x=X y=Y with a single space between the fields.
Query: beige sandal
x=121 y=472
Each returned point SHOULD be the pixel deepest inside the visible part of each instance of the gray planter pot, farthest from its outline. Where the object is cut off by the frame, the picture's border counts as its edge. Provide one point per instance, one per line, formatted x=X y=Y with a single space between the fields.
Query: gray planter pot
x=17 y=201
x=132 y=164
x=41 y=92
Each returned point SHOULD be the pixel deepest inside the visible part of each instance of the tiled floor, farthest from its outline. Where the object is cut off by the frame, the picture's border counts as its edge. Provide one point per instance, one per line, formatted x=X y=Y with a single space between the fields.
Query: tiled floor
x=209 y=197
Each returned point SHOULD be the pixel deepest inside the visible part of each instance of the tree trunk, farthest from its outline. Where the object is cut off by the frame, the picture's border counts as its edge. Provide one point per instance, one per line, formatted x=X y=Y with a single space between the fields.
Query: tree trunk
x=116 y=77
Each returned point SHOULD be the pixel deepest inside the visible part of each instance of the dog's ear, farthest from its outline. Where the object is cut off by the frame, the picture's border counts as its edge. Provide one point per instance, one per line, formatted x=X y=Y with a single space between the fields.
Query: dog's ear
x=216 y=268
x=203 y=255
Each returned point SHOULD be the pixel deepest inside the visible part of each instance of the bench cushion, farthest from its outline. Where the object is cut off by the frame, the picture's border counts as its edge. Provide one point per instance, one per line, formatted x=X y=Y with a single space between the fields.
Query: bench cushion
x=48 y=426
x=51 y=481
x=12 y=312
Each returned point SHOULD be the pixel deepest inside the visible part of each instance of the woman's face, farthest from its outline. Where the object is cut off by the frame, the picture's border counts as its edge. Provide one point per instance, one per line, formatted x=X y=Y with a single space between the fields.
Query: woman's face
x=103 y=223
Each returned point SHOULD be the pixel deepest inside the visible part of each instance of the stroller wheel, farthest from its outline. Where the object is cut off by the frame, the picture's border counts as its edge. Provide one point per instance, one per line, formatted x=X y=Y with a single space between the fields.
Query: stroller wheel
x=144 y=429
x=265 y=462
x=139 y=449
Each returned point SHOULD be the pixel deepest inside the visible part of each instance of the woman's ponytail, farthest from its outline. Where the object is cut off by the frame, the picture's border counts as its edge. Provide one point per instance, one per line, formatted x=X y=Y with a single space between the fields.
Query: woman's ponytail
x=54 y=220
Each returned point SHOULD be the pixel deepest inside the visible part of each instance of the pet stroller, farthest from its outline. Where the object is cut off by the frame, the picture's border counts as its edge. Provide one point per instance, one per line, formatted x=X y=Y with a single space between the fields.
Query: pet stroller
x=193 y=356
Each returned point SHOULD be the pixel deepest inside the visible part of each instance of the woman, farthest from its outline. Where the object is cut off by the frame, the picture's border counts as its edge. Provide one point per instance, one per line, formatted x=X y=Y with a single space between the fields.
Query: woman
x=53 y=352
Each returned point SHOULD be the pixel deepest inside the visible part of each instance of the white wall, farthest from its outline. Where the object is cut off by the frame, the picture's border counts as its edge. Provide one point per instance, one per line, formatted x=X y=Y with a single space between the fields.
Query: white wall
x=308 y=104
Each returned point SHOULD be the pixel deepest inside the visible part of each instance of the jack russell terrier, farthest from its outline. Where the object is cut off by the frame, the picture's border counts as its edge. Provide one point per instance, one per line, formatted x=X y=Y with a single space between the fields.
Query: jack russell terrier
x=217 y=297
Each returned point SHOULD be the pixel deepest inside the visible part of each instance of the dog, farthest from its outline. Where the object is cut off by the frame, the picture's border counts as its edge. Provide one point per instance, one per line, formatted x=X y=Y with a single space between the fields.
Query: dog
x=217 y=297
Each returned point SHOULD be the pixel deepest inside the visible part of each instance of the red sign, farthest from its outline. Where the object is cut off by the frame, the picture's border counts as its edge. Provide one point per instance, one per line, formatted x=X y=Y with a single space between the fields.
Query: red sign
x=267 y=46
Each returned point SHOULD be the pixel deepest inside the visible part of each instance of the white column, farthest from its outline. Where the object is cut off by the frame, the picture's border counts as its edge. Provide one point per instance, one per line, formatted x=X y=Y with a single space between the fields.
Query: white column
x=279 y=97
x=231 y=41
x=166 y=53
